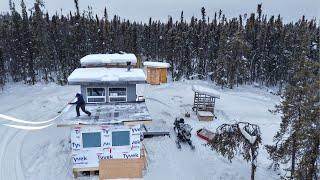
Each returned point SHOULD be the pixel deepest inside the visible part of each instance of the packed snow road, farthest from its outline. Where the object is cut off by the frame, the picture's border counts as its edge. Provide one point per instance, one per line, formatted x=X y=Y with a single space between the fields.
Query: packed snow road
x=33 y=154
x=45 y=154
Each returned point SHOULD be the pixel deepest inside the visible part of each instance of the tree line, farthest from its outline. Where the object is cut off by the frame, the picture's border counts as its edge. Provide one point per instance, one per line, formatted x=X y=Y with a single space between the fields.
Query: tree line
x=36 y=46
x=250 y=48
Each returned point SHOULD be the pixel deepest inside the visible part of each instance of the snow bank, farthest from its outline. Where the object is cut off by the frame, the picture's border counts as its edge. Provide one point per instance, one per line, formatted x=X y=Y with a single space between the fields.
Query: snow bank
x=255 y=84
x=206 y=90
x=106 y=75
x=102 y=59
x=156 y=64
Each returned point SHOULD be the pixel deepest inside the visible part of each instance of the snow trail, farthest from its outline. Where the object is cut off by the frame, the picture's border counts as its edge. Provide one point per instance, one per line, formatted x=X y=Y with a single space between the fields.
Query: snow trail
x=23 y=121
x=32 y=122
x=27 y=102
x=27 y=127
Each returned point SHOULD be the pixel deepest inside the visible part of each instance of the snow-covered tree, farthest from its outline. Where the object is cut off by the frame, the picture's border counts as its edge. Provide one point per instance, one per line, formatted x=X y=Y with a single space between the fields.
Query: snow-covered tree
x=2 y=70
x=232 y=51
x=240 y=138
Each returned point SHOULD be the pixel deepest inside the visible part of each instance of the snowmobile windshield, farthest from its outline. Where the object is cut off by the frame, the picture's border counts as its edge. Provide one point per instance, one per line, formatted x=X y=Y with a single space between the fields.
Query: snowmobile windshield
x=187 y=127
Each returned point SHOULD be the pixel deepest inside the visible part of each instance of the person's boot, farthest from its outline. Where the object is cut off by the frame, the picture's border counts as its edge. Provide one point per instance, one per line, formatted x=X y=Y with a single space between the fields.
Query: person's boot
x=89 y=114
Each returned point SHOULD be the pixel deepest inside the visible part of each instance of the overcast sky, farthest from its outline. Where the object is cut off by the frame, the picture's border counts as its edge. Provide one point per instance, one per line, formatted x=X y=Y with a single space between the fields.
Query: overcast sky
x=141 y=10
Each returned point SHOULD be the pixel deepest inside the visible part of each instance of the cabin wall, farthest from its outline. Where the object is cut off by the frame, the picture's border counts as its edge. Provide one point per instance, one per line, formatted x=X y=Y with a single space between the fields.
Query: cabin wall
x=163 y=75
x=131 y=91
x=156 y=76
x=90 y=144
x=153 y=76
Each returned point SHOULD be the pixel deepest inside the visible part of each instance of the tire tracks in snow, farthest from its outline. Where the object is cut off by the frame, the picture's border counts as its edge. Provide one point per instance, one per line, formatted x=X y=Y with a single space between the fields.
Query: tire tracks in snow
x=13 y=141
x=157 y=100
x=11 y=164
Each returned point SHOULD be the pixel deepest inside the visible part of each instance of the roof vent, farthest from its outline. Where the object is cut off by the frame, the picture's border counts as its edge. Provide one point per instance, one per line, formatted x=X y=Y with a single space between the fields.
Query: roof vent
x=128 y=65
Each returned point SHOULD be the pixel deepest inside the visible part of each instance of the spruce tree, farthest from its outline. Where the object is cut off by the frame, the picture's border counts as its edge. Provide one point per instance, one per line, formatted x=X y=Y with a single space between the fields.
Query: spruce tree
x=2 y=70
x=297 y=141
x=240 y=138
x=231 y=51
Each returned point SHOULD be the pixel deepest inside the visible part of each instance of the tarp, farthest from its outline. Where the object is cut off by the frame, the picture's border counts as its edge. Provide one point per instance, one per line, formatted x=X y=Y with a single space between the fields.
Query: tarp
x=205 y=134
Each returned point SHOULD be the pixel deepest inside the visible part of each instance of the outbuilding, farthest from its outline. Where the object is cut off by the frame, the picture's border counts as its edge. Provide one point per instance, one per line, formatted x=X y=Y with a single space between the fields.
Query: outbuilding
x=156 y=72
x=204 y=102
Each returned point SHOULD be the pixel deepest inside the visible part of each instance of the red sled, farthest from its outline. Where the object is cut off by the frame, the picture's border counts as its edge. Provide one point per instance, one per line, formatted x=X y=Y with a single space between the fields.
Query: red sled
x=205 y=134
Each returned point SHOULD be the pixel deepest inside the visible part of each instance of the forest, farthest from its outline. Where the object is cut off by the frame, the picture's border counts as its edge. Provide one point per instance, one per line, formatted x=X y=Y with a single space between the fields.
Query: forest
x=252 y=48
x=36 y=46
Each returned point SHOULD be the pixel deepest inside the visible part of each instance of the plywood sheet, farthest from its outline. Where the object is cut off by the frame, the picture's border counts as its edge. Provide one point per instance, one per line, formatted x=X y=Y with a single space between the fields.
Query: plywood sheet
x=122 y=168
x=163 y=75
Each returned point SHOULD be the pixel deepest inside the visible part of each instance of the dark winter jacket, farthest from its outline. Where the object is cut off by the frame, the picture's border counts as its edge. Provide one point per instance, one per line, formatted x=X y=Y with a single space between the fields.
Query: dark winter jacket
x=80 y=100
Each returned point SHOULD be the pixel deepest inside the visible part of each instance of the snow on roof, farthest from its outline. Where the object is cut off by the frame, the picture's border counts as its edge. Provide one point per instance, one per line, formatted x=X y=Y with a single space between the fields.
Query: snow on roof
x=205 y=113
x=106 y=75
x=101 y=59
x=206 y=90
x=156 y=64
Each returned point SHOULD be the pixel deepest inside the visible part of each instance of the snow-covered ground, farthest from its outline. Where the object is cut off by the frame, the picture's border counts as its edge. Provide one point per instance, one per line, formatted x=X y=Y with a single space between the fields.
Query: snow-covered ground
x=45 y=153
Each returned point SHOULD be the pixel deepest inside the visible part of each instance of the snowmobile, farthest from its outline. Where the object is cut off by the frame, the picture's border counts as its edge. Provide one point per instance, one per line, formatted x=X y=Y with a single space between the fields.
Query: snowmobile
x=183 y=132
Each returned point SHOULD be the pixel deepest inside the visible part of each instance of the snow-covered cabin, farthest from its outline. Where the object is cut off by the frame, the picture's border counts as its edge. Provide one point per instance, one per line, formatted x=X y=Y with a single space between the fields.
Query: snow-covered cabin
x=107 y=85
x=156 y=72
x=108 y=60
x=110 y=137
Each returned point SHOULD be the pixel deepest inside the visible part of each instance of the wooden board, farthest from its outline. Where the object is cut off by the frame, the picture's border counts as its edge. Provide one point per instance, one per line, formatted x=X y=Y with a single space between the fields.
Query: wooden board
x=153 y=76
x=156 y=76
x=126 y=123
x=163 y=75
x=205 y=116
x=132 y=123
x=122 y=168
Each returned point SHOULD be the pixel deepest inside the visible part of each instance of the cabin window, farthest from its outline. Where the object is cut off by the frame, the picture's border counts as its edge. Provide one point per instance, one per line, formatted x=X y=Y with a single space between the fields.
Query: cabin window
x=91 y=140
x=120 y=138
x=96 y=95
x=118 y=94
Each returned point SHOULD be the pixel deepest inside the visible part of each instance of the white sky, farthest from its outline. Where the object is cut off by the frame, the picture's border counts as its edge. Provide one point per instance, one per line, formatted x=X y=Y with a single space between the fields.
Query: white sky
x=141 y=10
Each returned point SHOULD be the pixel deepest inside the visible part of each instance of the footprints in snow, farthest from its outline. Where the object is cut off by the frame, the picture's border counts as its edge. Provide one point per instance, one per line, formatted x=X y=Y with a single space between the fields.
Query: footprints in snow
x=177 y=99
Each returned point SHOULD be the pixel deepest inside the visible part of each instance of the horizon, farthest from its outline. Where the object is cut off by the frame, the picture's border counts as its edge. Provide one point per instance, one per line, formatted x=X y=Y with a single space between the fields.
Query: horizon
x=142 y=10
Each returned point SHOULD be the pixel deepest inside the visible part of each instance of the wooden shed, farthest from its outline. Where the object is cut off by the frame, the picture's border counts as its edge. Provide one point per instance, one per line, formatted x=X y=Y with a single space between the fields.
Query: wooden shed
x=204 y=102
x=156 y=72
